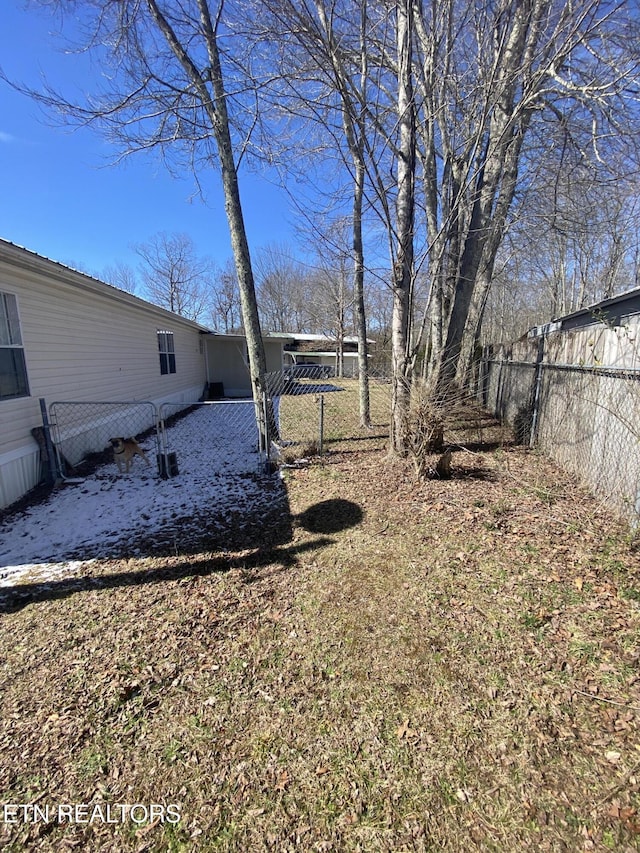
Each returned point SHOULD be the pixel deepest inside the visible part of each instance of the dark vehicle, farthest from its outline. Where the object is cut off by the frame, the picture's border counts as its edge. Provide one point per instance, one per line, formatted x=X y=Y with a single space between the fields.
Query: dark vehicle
x=308 y=371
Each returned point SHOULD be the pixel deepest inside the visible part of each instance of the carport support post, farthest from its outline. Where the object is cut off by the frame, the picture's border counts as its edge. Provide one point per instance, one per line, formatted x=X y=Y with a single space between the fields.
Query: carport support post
x=53 y=475
x=321 y=424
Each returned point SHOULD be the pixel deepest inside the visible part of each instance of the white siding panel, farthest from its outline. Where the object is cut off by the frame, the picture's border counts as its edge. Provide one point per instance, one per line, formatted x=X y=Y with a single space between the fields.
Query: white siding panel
x=17 y=417
x=84 y=341
x=19 y=473
x=273 y=356
x=81 y=347
x=227 y=364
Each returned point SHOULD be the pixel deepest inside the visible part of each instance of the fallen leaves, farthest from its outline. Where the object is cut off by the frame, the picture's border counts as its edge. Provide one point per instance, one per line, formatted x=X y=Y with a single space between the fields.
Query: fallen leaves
x=470 y=675
x=463 y=795
x=404 y=732
x=626 y=815
x=282 y=781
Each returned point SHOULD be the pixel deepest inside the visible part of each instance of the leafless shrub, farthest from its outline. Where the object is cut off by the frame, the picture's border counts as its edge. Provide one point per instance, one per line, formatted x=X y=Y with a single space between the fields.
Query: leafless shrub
x=294 y=454
x=425 y=436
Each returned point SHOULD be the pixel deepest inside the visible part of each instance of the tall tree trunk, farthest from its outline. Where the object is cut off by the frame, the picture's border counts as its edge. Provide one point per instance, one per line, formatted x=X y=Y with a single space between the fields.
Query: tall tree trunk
x=405 y=215
x=358 y=288
x=340 y=318
x=238 y=234
x=215 y=107
x=357 y=149
x=353 y=123
x=508 y=170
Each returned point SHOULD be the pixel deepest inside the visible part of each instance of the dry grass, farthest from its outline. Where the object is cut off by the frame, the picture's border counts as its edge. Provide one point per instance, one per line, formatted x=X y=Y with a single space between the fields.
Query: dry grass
x=451 y=665
x=300 y=415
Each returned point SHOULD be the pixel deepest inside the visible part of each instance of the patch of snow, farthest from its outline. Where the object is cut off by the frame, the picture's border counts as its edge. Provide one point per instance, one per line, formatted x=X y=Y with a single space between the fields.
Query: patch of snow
x=109 y=514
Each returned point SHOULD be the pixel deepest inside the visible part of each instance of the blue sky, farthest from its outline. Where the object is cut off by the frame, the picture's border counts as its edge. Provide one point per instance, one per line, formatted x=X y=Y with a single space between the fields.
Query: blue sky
x=61 y=200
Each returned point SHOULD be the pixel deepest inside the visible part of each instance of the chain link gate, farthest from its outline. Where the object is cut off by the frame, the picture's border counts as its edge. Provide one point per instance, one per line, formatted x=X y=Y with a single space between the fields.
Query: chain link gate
x=215 y=437
x=212 y=438
x=81 y=432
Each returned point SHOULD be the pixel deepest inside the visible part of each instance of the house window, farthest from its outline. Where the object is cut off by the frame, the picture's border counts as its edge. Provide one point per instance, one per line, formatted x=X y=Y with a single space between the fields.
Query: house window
x=13 y=367
x=167 y=352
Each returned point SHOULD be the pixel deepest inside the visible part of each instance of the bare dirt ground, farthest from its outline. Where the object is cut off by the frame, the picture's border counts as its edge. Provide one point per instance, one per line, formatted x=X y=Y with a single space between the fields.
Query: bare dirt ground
x=397 y=666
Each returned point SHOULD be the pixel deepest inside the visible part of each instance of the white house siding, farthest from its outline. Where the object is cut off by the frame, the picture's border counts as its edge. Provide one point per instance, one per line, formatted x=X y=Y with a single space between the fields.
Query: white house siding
x=84 y=341
x=228 y=362
x=19 y=473
x=273 y=355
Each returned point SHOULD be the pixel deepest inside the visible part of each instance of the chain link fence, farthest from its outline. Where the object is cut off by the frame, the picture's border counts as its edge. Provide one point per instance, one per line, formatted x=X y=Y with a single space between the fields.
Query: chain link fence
x=81 y=431
x=316 y=412
x=509 y=393
x=309 y=411
x=212 y=438
x=587 y=418
x=205 y=437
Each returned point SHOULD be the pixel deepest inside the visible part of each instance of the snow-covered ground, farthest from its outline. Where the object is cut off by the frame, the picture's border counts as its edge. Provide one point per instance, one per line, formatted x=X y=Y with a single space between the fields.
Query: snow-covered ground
x=220 y=482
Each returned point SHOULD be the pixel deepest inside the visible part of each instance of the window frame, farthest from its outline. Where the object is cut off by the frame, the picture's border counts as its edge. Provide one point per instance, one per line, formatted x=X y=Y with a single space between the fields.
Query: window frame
x=11 y=329
x=166 y=351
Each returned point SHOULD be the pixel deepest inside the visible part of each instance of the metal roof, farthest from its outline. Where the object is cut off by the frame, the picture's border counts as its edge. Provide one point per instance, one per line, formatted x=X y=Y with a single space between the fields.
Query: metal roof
x=12 y=253
x=609 y=311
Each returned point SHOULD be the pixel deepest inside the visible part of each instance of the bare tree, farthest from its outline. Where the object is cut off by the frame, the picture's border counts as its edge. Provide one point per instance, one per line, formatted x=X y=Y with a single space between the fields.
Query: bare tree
x=586 y=233
x=486 y=76
x=121 y=275
x=458 y=101
x=325 y=78
x=352 y=94
x=475 y=103
x=379 y=310
x=334 y=296
x=165 y=88
x=174 y=276
x=282 y=290
x=403 y=269
x=583 y=215
x=225 y=307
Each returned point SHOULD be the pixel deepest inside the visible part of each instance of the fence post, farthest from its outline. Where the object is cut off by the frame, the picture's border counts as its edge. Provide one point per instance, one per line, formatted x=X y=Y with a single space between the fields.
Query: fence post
x=161 y=434
x=321 y=425
x=536 y=392
x=53 y=473
x=162 y=454
x=265 y=437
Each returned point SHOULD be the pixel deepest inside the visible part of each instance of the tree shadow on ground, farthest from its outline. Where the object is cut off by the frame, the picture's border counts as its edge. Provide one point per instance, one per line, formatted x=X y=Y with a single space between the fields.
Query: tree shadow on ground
x=330 y=516
x=323 y=518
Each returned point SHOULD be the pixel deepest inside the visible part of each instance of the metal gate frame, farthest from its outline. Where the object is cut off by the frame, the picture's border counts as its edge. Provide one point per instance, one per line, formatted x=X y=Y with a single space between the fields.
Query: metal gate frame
x=168 y=458
x=95 y=424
